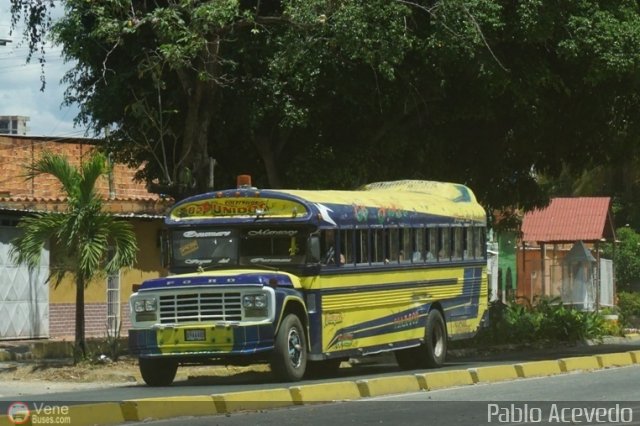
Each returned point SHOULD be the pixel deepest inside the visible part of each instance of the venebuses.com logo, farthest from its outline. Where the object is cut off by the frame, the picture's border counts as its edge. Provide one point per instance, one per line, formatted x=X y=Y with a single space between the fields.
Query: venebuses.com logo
x=41 y=413
x=18 y=413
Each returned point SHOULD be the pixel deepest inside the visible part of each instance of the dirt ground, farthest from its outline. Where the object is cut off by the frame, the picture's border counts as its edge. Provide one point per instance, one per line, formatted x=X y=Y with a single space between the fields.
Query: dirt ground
x=37 y=377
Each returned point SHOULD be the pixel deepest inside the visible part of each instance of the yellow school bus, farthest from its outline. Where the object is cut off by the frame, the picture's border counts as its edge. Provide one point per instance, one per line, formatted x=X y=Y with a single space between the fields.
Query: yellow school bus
x=304 y=279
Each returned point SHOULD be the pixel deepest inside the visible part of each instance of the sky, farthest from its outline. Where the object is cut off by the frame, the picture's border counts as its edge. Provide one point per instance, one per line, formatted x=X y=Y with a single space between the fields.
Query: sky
x=20 y=85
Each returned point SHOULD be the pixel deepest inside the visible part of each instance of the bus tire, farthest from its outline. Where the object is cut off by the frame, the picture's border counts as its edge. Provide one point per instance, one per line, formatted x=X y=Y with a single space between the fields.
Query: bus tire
x=289 y=358
x=435 y=340
x=158 y=371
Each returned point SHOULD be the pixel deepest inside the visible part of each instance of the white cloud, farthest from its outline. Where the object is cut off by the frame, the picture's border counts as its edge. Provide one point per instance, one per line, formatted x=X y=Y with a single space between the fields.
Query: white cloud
x=20 y=85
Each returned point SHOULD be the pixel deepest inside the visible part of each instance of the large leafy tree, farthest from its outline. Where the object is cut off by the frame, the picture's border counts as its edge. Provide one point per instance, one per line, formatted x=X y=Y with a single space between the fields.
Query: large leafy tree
x=86 y=241
x=336 y=93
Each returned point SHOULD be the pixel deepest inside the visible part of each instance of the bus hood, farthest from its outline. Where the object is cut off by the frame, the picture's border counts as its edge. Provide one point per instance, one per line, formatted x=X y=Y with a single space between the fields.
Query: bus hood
x=226 y=278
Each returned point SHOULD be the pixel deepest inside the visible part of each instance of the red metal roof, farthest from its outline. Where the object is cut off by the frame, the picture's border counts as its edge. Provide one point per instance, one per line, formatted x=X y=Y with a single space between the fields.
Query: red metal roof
x=570 y=219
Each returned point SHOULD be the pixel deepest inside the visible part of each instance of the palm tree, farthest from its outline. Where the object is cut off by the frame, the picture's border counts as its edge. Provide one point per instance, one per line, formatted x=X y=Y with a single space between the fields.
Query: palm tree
x=87 y=241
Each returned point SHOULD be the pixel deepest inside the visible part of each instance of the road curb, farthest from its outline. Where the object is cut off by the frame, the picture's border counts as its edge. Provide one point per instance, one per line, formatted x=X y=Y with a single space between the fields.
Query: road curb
x=86 y=414
x=614 y=360
x=444 y=379
x=538 y=369
x=325 y=392
x=494 y=373
x=635 y=356
x=579 y=363
x=388 y=385
x=165 y=408
x=252 y=400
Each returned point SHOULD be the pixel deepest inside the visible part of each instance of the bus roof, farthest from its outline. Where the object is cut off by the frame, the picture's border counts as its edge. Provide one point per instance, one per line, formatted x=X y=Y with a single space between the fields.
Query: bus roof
x=395 y=202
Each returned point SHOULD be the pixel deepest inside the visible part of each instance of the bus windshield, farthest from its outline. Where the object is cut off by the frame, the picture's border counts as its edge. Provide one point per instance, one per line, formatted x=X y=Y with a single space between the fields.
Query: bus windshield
x=275 y=247
x=234 y=247
x=204 y=247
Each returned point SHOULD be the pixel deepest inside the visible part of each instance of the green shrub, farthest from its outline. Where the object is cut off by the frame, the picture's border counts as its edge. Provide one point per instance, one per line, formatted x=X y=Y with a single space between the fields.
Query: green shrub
x=629 y=309
x=546 y=320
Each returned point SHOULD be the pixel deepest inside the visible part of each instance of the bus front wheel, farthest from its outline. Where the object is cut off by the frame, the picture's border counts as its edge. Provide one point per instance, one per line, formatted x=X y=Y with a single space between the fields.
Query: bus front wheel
x=158 y=371
x=289 y=359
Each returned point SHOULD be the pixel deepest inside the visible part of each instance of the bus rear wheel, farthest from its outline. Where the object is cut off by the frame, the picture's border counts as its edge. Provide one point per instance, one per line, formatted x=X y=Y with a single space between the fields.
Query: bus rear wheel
x=430 y=354
x=289 y=359
x=158 y=371
x=435 y=342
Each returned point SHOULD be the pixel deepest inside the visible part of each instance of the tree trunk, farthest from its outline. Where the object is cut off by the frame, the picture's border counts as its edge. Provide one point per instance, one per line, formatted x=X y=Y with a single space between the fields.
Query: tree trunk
x=269 y=148
x=80 y=346
x=194 y=155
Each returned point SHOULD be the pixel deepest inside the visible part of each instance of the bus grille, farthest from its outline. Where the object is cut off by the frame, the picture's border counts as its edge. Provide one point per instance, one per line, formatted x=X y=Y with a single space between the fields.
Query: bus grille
x=200 y=307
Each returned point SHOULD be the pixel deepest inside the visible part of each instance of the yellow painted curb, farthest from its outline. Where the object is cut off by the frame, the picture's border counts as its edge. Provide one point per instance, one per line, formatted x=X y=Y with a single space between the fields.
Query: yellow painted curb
x=168 y=407
x=614 y=360
x=388 y=385
x=105 y=413
x=325 y=392
x=4 y=421
x=444 y=379
x=635 y=356
x=579 y=363
x=252 y=400
x=494 y=373
x=538 y=369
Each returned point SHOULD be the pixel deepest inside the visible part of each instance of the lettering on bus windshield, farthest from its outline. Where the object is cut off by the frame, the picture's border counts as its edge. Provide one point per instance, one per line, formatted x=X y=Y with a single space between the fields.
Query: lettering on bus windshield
x=272 y=233
x=208 y=234
x=229 y=207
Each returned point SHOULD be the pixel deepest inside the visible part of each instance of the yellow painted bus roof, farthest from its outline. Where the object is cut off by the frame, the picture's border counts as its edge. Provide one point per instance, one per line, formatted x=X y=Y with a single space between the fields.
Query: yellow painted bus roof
x=438 y=198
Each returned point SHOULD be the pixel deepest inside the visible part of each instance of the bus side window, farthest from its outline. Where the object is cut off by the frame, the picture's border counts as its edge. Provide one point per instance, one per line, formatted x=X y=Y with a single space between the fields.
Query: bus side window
x=393 y=252
x=469 y=252
x=457 y=243
x=377 y=245
x=346 y=246
x=432 y=245
x=444 y=248
x=328 y=248
x=419 y=245
x=362 y=246
x=406 y=245
x=479 y=241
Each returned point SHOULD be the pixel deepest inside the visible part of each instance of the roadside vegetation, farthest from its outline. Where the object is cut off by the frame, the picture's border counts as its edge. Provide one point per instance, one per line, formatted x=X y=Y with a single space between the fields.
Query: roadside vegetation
x=545 y=321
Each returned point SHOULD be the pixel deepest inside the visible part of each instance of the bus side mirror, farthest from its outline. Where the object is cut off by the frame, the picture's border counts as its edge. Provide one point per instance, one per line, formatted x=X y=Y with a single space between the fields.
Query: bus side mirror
x=314 y=249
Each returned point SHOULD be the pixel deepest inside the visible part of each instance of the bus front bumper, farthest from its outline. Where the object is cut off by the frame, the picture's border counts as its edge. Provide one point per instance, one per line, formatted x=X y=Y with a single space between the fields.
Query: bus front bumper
x=201 y=340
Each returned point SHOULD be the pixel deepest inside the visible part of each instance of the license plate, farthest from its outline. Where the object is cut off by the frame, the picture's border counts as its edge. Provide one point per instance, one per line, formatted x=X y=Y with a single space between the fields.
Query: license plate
x=194 y=335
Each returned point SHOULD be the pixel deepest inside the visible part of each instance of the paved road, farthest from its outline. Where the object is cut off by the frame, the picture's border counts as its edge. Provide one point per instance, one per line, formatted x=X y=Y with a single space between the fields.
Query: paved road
x=251 y=381
x=605 y=397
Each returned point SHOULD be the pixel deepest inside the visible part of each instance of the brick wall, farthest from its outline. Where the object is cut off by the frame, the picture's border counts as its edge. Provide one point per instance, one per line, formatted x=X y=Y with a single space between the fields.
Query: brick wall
x=18 y=152
x=62 y=320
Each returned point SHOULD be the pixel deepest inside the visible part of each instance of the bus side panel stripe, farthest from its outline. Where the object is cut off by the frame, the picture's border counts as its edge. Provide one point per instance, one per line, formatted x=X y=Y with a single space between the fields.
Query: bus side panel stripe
x=403 y=320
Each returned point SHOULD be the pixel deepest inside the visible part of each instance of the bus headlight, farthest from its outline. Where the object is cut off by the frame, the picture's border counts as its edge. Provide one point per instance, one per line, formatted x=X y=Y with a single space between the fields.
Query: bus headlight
x=255 y=305
x=145 y=305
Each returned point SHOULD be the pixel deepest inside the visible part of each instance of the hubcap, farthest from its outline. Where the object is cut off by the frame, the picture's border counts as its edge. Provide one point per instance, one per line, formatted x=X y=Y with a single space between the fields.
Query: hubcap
x=295 y=348
x=438 y=341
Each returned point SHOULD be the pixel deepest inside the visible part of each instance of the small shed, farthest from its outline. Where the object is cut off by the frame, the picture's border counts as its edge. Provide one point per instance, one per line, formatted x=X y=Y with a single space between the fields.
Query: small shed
x=579 y=278
x=560 y=252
